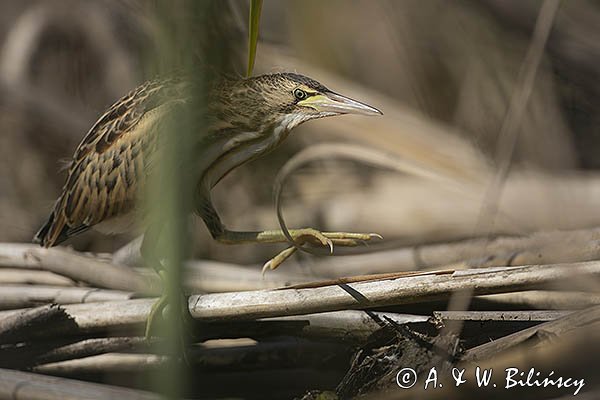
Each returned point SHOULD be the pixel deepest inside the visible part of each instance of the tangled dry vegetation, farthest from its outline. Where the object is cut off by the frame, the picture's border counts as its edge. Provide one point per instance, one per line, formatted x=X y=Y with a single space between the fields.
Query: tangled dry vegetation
x=481 y=178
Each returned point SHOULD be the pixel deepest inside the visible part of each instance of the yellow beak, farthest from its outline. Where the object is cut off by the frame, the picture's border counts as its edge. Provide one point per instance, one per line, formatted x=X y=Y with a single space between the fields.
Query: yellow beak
x=331 y=102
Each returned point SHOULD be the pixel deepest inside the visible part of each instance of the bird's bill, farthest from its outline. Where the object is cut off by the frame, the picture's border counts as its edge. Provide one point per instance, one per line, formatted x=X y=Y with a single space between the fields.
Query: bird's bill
x=338 y=104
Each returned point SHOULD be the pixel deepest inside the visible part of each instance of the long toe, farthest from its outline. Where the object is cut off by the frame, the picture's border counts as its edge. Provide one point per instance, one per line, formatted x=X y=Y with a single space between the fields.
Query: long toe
x=358 y=236
x=155 y=316
x=276 y=261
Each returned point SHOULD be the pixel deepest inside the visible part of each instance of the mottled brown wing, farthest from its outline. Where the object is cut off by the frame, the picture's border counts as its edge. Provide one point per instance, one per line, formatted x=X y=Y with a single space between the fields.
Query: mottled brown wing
x=110 y=163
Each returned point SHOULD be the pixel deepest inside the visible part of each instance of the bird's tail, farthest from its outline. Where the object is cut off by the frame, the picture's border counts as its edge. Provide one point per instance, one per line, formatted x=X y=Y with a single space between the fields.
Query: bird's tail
x=42 y=233
x=42 y=236
x=53 y=232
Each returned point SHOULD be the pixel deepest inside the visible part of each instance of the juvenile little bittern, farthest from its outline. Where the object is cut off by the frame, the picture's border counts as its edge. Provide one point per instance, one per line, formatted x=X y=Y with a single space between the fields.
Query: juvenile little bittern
x=247 y=118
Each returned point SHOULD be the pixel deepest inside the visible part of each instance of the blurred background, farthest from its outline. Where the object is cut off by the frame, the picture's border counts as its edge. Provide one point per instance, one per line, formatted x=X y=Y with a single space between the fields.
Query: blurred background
x=442 y=72
x=473 y=149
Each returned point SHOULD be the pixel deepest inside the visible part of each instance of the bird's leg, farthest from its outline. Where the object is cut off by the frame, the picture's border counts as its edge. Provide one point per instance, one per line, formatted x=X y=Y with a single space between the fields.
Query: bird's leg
x=299 y=236
x=160 y=309
x=150 y=257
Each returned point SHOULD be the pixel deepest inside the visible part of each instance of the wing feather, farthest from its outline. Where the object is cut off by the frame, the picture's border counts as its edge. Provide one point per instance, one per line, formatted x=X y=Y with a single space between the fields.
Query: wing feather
x=109 y=164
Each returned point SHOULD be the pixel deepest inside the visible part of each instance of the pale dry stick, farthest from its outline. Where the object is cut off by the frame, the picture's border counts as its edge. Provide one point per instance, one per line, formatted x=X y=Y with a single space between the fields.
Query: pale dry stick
x=201 y=275
x=545 y=315
x=250 y=305
x=207 y=276
x=18 y=385
x=410 y=289
x=529 y=315
x=213 y=277
x=75 y=266
x=346 y=325
x=15 y=276
x=19 y=296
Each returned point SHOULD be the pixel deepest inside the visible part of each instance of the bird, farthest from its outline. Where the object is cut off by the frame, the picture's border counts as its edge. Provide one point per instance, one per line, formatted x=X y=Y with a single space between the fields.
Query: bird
x=246 y=119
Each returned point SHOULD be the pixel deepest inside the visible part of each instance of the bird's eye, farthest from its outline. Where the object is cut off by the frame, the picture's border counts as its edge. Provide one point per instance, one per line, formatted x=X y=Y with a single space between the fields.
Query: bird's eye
x=300 y=94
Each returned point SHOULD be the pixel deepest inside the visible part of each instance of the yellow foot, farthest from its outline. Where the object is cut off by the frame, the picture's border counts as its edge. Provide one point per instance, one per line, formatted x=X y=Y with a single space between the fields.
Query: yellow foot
x=155 y=316
x=315 y=237
x=161 y=309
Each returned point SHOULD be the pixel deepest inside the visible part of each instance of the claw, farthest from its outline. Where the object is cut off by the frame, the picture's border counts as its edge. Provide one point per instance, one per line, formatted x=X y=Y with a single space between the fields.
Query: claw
x=375 y=236
x=330 y=243
x=276 y=261
x=266 y=267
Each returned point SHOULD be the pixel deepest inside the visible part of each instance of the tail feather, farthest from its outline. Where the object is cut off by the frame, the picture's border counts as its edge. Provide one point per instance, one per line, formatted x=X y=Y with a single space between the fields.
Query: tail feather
x=41 y=234
x=55 y=231
x=47 y=235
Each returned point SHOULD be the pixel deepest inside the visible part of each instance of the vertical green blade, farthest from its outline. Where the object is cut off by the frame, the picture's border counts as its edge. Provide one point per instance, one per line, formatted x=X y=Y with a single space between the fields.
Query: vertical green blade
x=254 y=20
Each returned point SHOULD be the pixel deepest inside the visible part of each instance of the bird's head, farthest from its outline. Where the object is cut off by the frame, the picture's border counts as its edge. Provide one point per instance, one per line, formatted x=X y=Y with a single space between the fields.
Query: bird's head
x=289 y=99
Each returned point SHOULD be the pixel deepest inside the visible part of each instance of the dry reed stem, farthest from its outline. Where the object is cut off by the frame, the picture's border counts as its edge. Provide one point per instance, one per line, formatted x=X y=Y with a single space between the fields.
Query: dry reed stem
x=75 y=266
x=239 y=306
x=18 y=385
